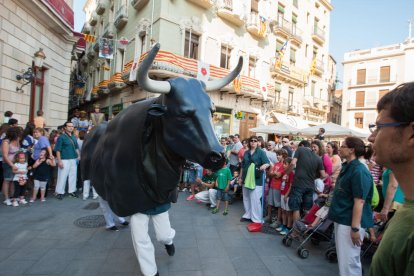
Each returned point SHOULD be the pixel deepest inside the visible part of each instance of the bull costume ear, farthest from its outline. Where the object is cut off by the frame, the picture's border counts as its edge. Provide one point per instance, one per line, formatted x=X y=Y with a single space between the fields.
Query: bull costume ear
x=164 y=87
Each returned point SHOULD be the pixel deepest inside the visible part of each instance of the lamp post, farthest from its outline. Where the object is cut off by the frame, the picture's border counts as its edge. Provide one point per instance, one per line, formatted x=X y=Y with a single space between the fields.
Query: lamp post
x=27 y=76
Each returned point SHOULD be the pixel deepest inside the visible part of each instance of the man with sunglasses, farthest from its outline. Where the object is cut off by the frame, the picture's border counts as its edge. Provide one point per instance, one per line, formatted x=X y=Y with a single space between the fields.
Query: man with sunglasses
x=393 y=141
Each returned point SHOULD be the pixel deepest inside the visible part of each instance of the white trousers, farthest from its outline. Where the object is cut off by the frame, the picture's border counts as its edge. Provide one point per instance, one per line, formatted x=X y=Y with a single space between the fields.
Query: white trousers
x=209 y=196
x=144 y=249
x=349 y=260
x=86 y=189
x=109 y=216
x=70 y=169
x=252 y=205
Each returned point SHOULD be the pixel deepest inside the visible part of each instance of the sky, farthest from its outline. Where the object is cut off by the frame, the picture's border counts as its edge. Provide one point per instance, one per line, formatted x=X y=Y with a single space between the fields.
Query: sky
x=355 y=24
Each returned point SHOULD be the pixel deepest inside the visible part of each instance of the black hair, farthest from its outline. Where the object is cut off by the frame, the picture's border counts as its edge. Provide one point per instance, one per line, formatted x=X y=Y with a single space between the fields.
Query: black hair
x=29 y=129
x=66 y=123
x=13 y=133
x=358 y=145
x=304 y=143
x=334 y=146
x=320 y=146
x=12 y=121
x=288 y=160
x=400 y=102
x=8 y=114
x=322 y=130
x=282 y=152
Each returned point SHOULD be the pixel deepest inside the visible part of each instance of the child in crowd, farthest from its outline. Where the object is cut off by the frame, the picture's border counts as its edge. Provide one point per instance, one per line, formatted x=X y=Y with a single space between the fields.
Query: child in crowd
x=234 y=184
x=273 y=198
x=209 y=195
x=20 y=178
x=287 y=215
x=42 y=173
x=223 y=185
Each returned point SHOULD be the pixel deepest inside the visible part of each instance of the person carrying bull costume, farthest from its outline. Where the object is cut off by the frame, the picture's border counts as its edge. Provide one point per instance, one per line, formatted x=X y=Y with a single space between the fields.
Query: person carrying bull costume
x=135 y=160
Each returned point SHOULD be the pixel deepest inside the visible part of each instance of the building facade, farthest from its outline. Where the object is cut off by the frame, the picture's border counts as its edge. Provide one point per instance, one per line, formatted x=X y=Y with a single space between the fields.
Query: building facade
x=284 y=45
x=25 y=27
x=370 y=74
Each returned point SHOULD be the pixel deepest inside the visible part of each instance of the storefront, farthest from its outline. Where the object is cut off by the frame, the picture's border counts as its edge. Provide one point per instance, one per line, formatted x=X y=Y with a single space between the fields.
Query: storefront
x=114 y=110
x=222 y=122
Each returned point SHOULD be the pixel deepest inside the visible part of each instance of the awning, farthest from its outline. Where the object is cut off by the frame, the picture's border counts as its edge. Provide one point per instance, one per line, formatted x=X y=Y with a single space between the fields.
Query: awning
x=294 y=121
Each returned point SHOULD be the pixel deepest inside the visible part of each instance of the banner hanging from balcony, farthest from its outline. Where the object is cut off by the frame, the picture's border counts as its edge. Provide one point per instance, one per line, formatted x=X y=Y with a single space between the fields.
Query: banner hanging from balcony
x=237 y=84
x=313 y=67
x=279 y=55
x=89 y=38
x=106 y=48
x=203 y=72
x=122 y=43
x=263 y=26
x=263 y=89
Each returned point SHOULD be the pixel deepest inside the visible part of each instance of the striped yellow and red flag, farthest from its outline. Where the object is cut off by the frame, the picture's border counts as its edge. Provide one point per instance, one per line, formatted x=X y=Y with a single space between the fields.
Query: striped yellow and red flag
x=89 y=38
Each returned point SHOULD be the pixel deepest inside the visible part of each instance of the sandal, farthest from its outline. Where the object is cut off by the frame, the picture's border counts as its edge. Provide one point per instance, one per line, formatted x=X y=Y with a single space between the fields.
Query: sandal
x=215 y=211
x=225 y=212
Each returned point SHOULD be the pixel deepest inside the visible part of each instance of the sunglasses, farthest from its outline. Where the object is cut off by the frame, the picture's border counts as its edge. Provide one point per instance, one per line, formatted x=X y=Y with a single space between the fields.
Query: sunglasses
x=253 y=140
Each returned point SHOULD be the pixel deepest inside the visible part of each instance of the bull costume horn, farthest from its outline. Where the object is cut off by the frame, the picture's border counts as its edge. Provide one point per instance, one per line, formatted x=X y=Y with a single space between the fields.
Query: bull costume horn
x=164 y=87
x=144 y=81
x=220 y=83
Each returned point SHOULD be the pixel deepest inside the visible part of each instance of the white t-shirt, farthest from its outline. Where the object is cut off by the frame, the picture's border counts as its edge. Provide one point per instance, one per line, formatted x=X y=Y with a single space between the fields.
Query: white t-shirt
x=22 y=168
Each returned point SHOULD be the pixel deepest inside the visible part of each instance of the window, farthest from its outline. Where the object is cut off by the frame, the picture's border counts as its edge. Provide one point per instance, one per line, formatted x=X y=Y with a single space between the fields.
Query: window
x=290 y=96
x=295 y=3
x=255 y=6
x=191 y=45
x=359 y=119
x=36 y=97
x=385 y=74
x=143 y=42
x=279 y=45
x=382 y=93
x=119 y=60
x=280 y=14
x=307 y=18
x=292 y=56
x=294 y=23
x=225 y=56
x=278 y=90
x=360 y=99
x=315 y=25
x=361 y=75
x=306 y=50
x=252 y=67
x=313 y=88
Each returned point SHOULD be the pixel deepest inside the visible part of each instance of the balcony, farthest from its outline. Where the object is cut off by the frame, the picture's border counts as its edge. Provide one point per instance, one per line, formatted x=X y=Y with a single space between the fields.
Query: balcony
x=206 y=4
x=91 y=53
x=370 y=82
x=96 y=46
x=318 y=35
x=109 y=31
x=85 y=60
x=320 y=67
x=116 y=83
x=121 y=18
x=227 y=10
x=288 y=73
x=86 y=29
x=255 y=26
x=101 y=6
x=139 y=4
x=94 y=19
x=315 y=104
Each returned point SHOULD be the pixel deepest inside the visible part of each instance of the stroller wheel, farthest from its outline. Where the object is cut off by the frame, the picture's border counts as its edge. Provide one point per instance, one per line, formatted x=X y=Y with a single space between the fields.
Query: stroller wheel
x=288 y=242
x=303 y=253
x=315 y=241
x=284 y=240
x=331 y=256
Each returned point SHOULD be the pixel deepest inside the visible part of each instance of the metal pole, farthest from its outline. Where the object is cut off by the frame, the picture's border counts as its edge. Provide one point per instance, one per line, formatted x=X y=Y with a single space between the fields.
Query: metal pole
x=189 y=44
x=152 y=19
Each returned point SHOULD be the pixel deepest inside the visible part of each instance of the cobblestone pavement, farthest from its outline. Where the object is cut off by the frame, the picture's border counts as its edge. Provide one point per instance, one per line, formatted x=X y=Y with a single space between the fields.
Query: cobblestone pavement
x=42 y=239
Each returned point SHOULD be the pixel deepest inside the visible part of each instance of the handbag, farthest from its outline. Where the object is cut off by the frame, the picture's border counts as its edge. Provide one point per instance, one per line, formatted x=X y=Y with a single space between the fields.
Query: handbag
x=250 y=181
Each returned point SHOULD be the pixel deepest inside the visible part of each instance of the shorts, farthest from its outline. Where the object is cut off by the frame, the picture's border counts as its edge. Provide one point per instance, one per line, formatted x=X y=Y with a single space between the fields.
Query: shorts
x=300 y=198
x=8 y=174
x=189 y=176
x=283 y=203
x=322 y=212
x=273 y=198
x=199 y=171
x=222 y=195
x=40 y=184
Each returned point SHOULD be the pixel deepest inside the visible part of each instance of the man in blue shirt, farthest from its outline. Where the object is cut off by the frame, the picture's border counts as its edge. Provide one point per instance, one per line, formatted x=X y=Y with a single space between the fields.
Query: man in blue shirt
x=67 y=154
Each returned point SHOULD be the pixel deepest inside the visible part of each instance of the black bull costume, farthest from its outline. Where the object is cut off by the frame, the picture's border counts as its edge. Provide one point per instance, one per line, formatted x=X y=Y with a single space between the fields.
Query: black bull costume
x=134 y=162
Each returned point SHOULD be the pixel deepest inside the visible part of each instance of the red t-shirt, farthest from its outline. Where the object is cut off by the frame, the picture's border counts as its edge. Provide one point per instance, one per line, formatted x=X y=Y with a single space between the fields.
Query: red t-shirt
x=276 y=182
x=288 y=182
x=241 y=153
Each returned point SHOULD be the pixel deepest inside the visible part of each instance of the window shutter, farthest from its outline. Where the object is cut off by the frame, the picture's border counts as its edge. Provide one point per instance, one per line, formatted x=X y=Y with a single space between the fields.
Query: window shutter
x=359 y=98
x=385 y=74
x=382 y=93
x=255 y=5
x=281 y=9
x=294 y=18
x=361 y=75
x=359 y=119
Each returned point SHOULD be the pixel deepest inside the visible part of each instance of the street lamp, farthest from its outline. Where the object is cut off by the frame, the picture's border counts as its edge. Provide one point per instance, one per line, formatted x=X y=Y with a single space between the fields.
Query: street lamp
x=27 y=76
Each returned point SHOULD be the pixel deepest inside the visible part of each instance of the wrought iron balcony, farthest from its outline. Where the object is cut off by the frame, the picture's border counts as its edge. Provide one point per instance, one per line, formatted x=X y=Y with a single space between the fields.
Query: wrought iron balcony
x=121 y=18
x=101 y=6
x=289 y=73
x=287 y=29
x=318 y=35
x=256 y=25
x=231 y=11
x=94 y=19
x=109 y=30
x=139 y=4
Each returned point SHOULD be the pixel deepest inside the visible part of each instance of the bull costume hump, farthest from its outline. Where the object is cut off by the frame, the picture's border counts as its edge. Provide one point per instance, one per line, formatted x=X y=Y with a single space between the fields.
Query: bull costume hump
x=134 y=162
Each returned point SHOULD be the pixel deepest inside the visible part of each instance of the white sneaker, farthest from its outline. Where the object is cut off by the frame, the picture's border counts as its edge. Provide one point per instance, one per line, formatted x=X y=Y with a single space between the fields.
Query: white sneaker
x=15 y=203
x=23 y=201
x=43 y=200
x=7 y=202
x=95 y=197
x=85 y=198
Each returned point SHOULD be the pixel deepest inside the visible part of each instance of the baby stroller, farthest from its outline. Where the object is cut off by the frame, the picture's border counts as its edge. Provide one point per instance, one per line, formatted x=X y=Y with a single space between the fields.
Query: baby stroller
x=300 y=233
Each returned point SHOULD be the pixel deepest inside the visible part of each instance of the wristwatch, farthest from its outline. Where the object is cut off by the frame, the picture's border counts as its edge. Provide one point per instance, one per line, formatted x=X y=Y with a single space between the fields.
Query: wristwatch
x=355 y=229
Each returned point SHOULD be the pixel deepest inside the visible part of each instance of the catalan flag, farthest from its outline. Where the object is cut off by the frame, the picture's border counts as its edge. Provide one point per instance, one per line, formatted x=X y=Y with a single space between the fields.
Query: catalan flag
x=237 y=84
x=279 y=55
x=89 y=38
x=313 y=67
x=263 y=26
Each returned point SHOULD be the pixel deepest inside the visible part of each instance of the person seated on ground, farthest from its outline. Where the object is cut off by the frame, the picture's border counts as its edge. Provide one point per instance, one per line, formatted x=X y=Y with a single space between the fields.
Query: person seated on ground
x=209 y=195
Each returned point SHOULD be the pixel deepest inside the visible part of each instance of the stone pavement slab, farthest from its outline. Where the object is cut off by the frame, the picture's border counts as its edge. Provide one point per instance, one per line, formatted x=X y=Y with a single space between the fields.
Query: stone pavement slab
x=42 y=239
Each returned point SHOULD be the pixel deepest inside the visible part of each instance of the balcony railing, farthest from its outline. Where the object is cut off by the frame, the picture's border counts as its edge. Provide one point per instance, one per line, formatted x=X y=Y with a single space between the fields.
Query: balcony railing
x=256 y=26
x=228 y=10
x=86 y=29
x=287 y=29
x=94 y=19
x=139 y=4
x=101 y=6
x=320 y=66
x=121 y=18
x=109 y=30
x=289 y=72
x=318 y=35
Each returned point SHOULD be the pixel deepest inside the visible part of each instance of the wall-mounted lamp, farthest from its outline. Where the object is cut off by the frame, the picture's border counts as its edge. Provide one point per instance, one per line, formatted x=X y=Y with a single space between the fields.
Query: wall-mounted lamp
x=27 y=76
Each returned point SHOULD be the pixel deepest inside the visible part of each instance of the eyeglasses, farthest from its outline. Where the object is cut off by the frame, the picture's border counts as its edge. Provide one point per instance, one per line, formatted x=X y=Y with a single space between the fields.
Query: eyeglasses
x=253 y=140
x=285 y=141
x=375 y=127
